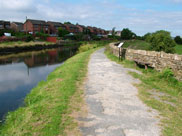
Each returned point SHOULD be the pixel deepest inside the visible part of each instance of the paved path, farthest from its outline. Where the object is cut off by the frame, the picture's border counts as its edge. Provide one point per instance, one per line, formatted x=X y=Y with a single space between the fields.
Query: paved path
x=113 y=106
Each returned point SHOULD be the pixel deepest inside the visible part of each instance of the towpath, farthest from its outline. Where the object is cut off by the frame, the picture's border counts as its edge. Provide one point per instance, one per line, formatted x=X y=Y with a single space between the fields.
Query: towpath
x=113 y=106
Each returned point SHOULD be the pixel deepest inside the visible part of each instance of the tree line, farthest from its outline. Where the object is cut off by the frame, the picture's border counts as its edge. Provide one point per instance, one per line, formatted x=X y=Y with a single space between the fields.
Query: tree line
x=159 y=40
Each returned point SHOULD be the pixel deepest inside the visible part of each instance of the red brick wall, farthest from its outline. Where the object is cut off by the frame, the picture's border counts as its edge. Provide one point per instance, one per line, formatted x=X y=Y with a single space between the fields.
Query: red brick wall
x=52 y=39
x=28 y=26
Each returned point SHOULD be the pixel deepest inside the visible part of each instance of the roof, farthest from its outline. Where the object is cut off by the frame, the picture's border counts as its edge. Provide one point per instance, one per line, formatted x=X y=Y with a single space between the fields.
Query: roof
x=2 y=21
x=55 y=23
x=81 y=26
x=71 y=25
x=18 y=23
x=37 y=22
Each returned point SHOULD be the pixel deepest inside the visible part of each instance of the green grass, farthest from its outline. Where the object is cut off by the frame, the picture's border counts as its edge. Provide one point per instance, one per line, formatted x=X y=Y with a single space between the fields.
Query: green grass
x=46 y=111
x=92 y=45
x=137 y=44
x=143 y=45
x=178 y=49
x=154 y=84
x=21 y=44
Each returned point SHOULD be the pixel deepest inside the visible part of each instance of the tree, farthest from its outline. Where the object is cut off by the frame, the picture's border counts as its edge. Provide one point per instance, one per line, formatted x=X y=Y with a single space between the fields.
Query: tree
x=86 y=31
x=62 y=32
x=178 y=40
x=67 y=22
x=127 y=34
x=113 y=32
x=147 y=36
x=162 y=41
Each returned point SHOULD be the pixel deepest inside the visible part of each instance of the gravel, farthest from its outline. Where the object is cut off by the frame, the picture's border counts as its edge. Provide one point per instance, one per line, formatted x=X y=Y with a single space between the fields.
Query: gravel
x=113 y=106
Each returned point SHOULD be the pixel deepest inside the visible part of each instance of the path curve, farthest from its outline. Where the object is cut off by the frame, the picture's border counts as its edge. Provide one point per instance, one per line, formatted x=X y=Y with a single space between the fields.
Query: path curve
x=113 y=106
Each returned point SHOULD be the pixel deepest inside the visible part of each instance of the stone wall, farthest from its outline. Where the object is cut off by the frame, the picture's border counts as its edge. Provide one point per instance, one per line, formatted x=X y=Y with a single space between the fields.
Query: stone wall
x=157 y=60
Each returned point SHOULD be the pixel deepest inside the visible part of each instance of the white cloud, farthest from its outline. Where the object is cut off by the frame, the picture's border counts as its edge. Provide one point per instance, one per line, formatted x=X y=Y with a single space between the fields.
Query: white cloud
x=105 y=14
x=17 y=5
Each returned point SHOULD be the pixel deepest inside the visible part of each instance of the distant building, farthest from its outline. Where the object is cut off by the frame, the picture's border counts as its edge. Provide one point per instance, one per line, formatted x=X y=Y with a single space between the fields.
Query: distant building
x=81 y=28
x=91 y=29
x=109 y=32
x=118 y=33
x=4 y=24
x=34 y=26
x=54 y=26
x=17 y=26
x=72 y=28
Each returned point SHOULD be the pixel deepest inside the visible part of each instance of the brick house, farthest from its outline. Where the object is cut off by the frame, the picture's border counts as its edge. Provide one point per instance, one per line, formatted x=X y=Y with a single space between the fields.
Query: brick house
x=4 y=24
x=103 y=32
x=81 y=28
x=53 y=27
x=96 y=30
x=17 y=26
x=91 y=29
x=72 y=28
x=34 y=26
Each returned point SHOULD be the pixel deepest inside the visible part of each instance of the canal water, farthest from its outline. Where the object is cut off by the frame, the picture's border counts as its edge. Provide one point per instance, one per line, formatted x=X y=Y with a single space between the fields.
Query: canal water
x=19 y=73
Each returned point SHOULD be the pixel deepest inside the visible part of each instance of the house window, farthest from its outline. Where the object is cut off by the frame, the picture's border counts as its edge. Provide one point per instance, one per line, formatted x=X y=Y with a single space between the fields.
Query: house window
x=36 y=26
x=7 y=26
x=1 y=26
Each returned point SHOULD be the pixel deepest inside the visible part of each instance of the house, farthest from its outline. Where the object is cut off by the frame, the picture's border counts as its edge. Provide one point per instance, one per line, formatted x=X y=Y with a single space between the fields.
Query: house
x=17 y=26
x=118 y=33
x=90 y=29
x=103 y=32
x=96 y=30
x=81 y=28
x=4 y=24
x=34 y=26
x=54 y=26
x=109 y=32
x=72 y=28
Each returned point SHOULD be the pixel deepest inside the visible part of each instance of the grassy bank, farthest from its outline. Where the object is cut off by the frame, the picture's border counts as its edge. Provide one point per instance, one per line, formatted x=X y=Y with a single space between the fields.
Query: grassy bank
x=143 y=45
x=22 y=44
x=161 y=91
x=47 y=107
x=137 y=44
x=178 y=49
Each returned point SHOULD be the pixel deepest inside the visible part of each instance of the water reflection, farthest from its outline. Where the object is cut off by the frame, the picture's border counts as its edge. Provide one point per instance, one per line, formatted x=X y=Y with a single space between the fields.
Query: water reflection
x=19 y=73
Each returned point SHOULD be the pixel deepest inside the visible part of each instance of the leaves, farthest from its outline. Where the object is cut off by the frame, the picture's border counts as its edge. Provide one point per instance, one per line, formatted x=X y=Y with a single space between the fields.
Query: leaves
x=161 y=41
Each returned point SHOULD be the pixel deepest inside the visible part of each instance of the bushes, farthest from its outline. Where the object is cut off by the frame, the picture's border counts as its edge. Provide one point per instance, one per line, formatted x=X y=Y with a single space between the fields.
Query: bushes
x=127 y=34
x=91 y=45
x=86 y=47
x=166 y=74
x=178 y=40
x=29 y=38
x=42 y=35
x=7 y=31
x=161 y=41
x=62 y=32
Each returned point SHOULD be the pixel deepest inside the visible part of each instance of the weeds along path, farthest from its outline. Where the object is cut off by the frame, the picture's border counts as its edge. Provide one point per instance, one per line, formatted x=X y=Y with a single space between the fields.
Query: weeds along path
x=113 y=106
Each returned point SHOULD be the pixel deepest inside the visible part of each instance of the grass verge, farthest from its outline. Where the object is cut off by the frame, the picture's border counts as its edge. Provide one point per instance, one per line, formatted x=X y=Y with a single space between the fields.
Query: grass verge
x=137 y=44
x=47 y=107
x=143 y=45
x=161 y=91
x=178 y=49
x=22 y=44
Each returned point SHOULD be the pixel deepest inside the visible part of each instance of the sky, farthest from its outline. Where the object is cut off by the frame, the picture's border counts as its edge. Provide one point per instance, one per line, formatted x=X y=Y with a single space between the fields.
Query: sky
x=141 y=16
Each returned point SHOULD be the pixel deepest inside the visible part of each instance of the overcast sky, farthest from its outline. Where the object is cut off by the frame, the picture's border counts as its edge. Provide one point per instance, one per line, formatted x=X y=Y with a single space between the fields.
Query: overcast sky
x=141 y=16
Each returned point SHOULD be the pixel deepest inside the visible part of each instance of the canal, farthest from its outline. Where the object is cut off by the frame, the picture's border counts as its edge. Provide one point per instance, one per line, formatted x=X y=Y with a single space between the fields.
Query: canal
x=19 y=73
